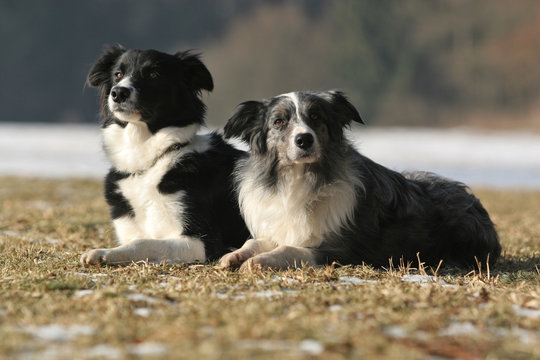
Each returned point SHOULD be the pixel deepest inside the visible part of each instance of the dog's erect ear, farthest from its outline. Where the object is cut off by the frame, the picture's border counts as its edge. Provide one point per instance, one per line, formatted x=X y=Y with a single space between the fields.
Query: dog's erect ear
x=343 y=107
x=196 y=73
x=100 y=72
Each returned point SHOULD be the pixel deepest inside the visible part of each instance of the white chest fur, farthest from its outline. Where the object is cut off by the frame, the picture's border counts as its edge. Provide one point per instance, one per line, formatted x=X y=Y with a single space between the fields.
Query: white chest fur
x=294 y=214
x=135 y=150
x=157 y=215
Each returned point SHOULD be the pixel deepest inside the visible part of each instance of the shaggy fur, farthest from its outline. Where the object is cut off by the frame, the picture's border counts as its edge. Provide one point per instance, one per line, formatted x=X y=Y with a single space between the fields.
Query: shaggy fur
x=309 y=197
x=170 y=190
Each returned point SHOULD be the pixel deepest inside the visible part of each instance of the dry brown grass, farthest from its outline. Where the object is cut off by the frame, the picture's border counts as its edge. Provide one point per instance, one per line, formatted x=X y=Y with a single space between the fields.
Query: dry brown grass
x=51 y=307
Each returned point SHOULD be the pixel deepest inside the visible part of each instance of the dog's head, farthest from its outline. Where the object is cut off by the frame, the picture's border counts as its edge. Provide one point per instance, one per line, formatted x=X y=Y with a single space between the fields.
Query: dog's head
x=150 y=86
x=297 y=127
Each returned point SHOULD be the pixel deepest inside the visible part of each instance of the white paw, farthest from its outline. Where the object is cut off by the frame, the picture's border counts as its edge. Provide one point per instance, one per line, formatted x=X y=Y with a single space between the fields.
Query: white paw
x=262 y=261
x=234 y=259
x=94 y=257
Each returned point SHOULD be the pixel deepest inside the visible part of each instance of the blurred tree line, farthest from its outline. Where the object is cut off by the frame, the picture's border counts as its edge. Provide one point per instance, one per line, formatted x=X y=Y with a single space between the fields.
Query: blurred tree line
x=401 y=62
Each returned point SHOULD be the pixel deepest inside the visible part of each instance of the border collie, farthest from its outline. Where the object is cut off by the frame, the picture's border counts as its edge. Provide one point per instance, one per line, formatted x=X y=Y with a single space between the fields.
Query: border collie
x=308 y=197
x=169 y=190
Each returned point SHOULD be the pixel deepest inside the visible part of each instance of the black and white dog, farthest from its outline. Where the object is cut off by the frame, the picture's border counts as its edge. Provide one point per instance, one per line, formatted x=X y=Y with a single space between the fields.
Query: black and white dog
x=170 y=190
x=308 y=197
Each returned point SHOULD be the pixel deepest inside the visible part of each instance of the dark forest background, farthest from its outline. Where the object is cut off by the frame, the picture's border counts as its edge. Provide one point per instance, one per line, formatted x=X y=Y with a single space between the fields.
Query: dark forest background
x=429 y=63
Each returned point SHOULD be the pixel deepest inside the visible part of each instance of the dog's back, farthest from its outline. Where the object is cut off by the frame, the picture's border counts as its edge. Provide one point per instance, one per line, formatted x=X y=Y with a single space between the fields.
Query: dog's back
x=422 y=216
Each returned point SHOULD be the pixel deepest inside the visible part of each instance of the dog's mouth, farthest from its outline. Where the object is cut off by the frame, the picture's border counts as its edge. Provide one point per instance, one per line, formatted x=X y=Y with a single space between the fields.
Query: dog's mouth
x=305 y=157
x=125 y=112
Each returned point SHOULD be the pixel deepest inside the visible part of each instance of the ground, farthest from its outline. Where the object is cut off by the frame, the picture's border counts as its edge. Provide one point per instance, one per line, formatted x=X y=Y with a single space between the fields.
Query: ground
x=53 y=308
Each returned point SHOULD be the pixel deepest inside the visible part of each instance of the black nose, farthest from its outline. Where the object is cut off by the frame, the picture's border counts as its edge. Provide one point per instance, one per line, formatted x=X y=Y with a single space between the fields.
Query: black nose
x=120 y=94
x=304 y=141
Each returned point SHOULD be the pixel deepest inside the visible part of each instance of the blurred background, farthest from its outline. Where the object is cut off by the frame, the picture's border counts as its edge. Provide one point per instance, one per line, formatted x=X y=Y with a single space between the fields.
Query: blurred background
x=401 y=62
x=411 y=64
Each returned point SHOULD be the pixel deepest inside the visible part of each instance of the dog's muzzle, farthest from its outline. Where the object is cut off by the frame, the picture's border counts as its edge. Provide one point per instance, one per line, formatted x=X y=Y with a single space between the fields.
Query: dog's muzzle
x=122 y=103
x=304 y=150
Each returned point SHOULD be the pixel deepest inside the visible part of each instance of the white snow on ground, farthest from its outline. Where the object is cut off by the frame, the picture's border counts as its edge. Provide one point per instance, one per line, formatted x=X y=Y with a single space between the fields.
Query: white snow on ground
x=478 y=158
x=500 y=159
x=57 y=150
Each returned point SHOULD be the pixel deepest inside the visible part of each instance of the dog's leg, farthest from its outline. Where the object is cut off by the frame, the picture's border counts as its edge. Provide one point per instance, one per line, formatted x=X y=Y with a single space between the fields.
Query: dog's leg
x=282 y=257
x=250 y=248
x=183 y=250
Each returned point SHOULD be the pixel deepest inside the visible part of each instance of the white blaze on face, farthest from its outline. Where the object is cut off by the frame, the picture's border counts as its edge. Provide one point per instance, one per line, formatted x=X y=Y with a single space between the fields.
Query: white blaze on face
x=294 y=153
x=120 y=113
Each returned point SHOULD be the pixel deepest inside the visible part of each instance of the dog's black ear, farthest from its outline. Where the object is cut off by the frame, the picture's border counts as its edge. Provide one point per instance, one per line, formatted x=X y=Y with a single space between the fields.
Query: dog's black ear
x=247 y=125
x=100 y=72
x=245 y=120
x=196 y=73
x=343 y=107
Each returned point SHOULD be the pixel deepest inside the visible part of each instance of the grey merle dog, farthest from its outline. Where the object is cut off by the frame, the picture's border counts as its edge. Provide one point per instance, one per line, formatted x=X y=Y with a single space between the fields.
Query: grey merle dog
x=308 y=197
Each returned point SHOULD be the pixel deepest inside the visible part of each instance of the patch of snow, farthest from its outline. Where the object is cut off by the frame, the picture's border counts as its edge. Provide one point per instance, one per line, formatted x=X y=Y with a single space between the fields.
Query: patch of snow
x=285 y=279
x=488 y=158
x=267 y=294
x=143 y=312
x=82 y=293
x=529 y=337
x=525 y=312
x=103 y=351
x=231 y=297
x=311 y=347
x=425 y=279
x=307 y=346
x=422 y=279
x=266 y=345
x=148 y=349
x=51 y=150
x=261 y=294
x=53 y=351
x=396 y=331
x=170 y=277
x=459 y=329
x=351 y=280
x=58 y=333
x=492 y=158
x=141 y=297
x=91 y=275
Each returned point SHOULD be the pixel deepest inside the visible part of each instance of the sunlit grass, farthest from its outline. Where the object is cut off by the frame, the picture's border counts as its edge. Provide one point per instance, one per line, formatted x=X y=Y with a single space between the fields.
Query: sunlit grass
x=200 y=311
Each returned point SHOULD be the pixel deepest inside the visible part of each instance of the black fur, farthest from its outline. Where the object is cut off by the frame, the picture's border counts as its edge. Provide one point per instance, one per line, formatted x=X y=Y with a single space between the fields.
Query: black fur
x=170 y=99
x=397 y=216
x=119 y=205
x=206 y=178
x=168 y=95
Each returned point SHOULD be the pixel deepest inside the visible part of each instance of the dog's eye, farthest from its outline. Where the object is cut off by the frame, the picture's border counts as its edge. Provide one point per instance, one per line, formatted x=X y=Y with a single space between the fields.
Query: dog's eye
x=154 y=74
x=118 y=75
x=279 y=122
x=314 y=116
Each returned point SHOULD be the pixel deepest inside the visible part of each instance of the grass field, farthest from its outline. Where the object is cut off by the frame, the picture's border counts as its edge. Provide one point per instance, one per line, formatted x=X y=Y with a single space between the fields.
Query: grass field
x=53 y=308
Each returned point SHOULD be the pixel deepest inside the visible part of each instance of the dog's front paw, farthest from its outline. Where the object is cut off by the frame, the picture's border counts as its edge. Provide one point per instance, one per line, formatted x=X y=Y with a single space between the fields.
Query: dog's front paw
x=94 y=257
x=234 y=259
x=260 y=262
